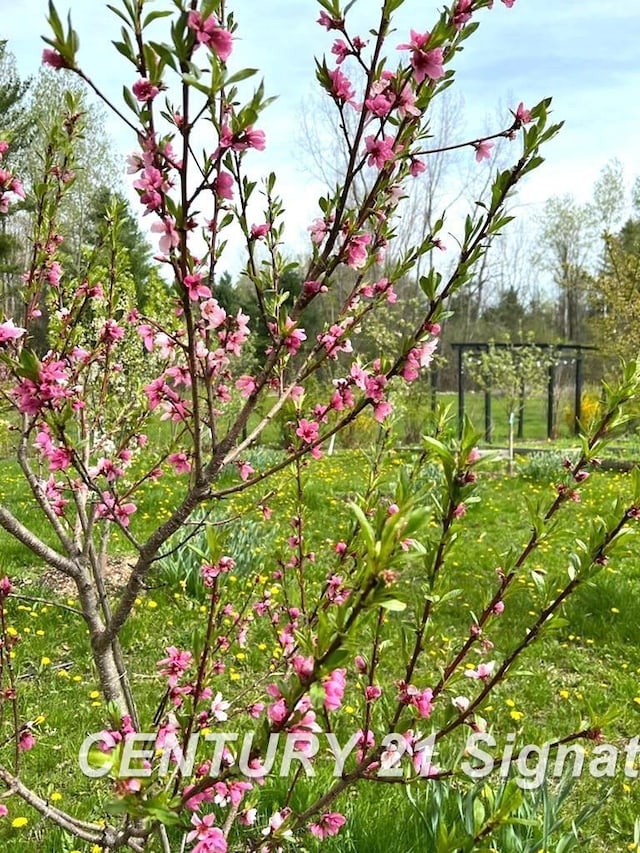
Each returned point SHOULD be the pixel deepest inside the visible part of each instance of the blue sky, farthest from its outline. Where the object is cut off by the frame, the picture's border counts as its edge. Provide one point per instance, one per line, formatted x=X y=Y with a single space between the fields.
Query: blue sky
x=581 y=52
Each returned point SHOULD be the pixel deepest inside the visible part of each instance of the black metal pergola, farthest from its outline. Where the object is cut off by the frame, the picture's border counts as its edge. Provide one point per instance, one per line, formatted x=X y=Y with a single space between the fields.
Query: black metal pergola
x=560 y=352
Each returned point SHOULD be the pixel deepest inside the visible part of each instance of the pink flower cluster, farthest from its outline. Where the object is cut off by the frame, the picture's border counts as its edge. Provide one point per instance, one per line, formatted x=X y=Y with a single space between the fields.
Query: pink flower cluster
x=210 y=33
x=334 y=687
x=111 y=508
x=52 y=388
x=426 y=63
x=420 y=699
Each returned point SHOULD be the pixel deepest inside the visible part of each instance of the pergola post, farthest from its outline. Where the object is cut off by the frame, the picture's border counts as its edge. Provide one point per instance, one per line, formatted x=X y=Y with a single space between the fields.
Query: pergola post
x=551 y=392
x=460 y=391
x=578 y=400
x=433 y=376
x=520 y=433
x=487 y=416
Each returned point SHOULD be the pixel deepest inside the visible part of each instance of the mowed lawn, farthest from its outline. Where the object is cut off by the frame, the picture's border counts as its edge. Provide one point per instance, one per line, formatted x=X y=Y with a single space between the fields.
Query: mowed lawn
x=585 y=674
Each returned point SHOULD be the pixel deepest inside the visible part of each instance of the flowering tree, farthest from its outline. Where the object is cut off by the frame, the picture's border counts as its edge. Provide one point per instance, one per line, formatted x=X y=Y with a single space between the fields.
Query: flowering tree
x=87 y=408
x=512 y=372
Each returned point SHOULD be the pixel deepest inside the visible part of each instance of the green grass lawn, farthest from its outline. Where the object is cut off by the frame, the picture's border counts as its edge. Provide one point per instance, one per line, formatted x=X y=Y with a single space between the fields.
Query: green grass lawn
x=586 y=673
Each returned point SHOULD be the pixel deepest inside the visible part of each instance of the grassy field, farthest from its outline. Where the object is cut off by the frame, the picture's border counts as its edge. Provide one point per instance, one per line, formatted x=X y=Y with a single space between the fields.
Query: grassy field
x=584 y=674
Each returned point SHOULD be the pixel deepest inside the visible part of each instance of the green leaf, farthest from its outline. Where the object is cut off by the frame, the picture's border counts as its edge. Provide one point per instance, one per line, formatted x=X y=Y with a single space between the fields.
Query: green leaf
x=29 y=365
x=394 y=605
x=55 y=23
x=152 y=16
x=365 y=527
x=243 y=74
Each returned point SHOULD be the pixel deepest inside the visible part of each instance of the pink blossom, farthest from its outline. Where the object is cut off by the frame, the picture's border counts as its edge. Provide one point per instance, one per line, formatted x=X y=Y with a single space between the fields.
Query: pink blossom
x=5 y=587
x=341 y=87
x=10 y=332
x=211 y=571
x=423 y=702
x=360 y=664
x=4 y=811
x=474 y=456
x=380 y=150
x=462 y=13
x=418 y=358
x=150 y=185
x=382 y=410
x=259 y=231
x=508 y=3
x=210 y=838
x=372 y=692
x=4 y=147
x=334 y=687
x=328 y=824
x=292 y=337
x=357 y=250
x=522 y=114
x=110 y=508
x=26 y=741
x=111 y=332
x=197 y=290
x=422 y=764
x=407 y=103
x=175 y=664
x=483 y=671
x=498 y=608
x=277 y=712
x=223 y=185
x=416 y=167
x=170 y=238
x=459 y=510
x=425 y=63
x=341 y=50
x=211 y=34
x=54 y=273
x=211 y=311
x=60 y=459
x=483 y=150
x=380 y=105
x=245 y=470
x=330 y=23
x=248 y=817
x=252 y=138
x=219 y=708
x=303 y=666
x=54 y=59
x=241 y=141
x=147 y=334
x=307 y=430
x=16 y=187
x=144 y=90
x=246 y=385
x=179 y=462
x=319 y=229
